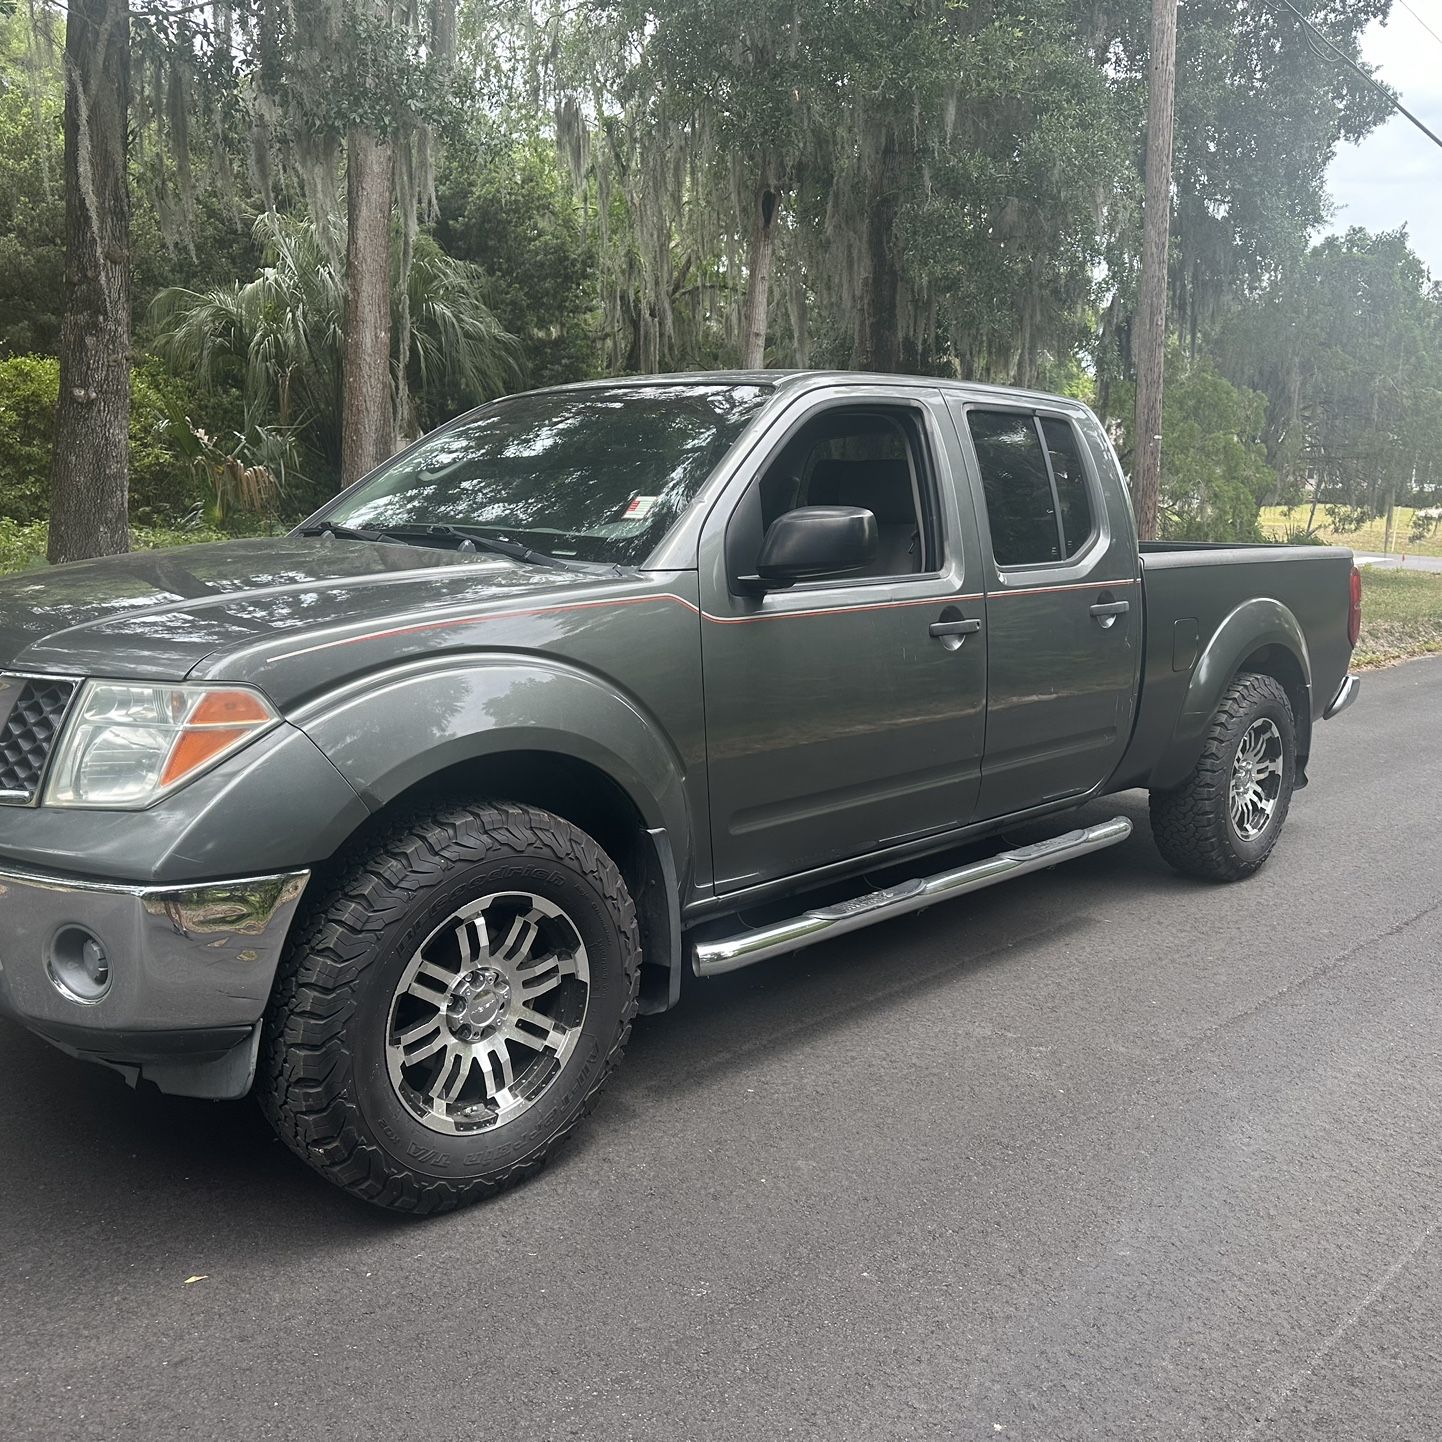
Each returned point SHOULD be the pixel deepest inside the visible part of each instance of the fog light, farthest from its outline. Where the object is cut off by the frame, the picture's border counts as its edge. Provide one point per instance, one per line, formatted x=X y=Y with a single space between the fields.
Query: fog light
x=79 y=964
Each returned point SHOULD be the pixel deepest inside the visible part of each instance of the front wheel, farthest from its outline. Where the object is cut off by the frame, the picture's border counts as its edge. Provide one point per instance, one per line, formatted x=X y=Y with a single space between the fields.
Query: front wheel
x=1222 y=822
x=449 y=1009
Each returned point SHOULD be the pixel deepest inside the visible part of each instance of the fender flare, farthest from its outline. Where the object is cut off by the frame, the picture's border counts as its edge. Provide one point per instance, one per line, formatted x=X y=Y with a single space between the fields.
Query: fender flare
x=387 y=732
x=1253 y=626
x=390 y=731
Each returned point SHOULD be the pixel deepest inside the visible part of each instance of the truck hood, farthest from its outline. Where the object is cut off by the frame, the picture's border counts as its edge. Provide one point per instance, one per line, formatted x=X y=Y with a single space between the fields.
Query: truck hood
x=158 y=614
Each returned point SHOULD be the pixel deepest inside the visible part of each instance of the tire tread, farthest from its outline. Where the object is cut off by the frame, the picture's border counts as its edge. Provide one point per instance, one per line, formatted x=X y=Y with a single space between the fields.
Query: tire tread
x=1190 y=822
x=304 y=1064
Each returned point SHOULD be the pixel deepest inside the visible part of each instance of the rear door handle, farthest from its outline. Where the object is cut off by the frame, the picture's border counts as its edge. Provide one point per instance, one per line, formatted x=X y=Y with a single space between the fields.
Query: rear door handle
x=954 y=628
x=1105 y=613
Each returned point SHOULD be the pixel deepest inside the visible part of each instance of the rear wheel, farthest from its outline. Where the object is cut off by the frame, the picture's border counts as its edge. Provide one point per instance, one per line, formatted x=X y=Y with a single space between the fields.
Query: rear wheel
x=448 y=1011
x=1222 y=822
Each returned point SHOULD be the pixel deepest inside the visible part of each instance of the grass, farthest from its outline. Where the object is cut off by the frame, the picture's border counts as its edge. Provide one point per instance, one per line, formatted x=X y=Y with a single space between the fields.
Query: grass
x=1276 y=521
x=1401 y=616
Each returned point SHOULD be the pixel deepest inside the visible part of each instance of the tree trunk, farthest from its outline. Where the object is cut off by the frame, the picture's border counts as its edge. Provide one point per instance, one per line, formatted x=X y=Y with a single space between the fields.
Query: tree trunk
x=880 y=348
x=800 y=320
x=90 y=465
x=367 y=412
x=1150 y=340
x=758 y=279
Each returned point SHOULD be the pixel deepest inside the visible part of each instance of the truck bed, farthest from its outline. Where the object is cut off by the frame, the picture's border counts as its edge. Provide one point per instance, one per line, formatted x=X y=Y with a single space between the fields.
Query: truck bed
x=1189 y=591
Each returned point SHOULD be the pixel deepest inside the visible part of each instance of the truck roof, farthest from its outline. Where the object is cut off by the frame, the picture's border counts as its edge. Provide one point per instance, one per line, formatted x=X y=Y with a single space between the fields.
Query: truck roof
x=779 y=380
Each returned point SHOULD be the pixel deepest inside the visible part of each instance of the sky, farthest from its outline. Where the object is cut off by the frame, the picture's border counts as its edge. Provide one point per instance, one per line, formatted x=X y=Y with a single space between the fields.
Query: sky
x=1395 y=175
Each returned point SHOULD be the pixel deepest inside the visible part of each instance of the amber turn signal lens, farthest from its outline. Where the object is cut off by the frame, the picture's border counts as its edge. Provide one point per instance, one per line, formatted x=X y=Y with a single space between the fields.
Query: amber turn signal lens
x=195 y=748
x=228 y=708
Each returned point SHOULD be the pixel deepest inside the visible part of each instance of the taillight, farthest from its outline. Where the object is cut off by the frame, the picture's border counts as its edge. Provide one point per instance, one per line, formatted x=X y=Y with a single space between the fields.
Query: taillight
x=1354 y=607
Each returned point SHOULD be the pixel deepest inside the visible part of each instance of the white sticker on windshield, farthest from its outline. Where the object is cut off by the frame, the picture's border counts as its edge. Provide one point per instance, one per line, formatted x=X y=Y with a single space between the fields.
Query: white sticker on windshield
x=639 y=508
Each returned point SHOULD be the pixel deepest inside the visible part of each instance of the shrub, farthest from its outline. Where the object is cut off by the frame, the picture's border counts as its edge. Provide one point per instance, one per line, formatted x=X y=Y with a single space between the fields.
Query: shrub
x=29 y=388
x=164 y=486
x=23 y=547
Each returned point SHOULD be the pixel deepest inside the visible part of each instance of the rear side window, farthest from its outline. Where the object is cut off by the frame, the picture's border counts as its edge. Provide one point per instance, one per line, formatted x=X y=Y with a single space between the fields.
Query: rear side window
x=1020 y=504
x=1035 y=488
x=1071 y=484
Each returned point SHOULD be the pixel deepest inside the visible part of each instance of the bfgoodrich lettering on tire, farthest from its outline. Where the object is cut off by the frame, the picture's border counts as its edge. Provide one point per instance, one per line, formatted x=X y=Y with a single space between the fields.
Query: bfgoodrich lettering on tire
x=448 y=1010
x=1222 y=822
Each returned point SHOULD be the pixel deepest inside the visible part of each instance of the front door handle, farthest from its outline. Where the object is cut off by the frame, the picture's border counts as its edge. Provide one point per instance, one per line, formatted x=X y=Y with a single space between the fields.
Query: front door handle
x=954 y=628
x=1105 y=613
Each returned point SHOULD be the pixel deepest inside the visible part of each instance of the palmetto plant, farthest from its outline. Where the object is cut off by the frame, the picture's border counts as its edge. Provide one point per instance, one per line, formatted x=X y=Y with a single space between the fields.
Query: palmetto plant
x=279 y=336
x=245 y=469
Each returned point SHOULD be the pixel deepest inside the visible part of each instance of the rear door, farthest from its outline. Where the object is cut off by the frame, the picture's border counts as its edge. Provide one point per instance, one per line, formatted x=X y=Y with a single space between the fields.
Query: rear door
x=844 y=716
x=1063 y=607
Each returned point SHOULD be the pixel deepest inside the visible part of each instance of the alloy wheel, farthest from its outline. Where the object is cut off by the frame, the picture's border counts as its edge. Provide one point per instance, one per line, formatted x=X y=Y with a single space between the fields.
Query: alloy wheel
x=487 y=1012
x=1256 y=779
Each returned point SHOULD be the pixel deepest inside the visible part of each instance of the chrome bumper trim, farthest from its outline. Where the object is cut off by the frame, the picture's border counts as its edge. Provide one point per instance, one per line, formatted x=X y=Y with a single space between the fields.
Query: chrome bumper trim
x=1346 y=694
x=194 y=955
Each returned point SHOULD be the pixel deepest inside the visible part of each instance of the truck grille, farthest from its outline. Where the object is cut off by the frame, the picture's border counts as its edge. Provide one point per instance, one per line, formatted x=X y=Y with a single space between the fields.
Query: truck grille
x=31 y=710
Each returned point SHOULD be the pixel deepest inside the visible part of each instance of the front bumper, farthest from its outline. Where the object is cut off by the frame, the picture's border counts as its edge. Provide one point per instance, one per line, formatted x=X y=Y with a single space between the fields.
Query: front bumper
x=191 y=968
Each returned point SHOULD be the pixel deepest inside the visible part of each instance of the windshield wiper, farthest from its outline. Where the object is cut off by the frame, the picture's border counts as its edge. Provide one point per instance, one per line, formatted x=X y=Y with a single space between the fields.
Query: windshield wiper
x=468 y=539
x=464 y=537
x=341 y=533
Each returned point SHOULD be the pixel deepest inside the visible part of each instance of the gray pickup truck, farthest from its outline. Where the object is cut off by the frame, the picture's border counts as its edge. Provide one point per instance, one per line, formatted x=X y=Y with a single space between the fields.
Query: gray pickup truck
x=400 y=819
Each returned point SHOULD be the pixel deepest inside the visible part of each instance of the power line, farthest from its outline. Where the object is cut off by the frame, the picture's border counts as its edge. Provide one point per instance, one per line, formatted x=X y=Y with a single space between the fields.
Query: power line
x=1314 y=35
x=1420 y=21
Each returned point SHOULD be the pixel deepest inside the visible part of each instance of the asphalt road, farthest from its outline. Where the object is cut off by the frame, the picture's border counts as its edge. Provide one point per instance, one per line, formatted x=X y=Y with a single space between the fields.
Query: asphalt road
x=1102 y=1153
x=1399 y=562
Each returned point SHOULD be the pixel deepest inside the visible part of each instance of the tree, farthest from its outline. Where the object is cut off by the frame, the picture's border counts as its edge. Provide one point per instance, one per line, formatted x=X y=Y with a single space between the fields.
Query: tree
x=366 y=80
x=89 y=470
x=281 y=339
x=367 y=414
x=1347 y=348
x=927 y=174
x=1015 y=177
x=742 y=74
x=681 y=121
x=1216 y=472
x=1151 y=333
x=504 y=206
x=32 y=203
x=668 y=184
x=1260 y=112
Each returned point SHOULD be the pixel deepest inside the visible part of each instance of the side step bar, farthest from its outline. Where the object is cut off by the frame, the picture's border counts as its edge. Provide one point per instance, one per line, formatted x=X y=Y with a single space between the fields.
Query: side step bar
x=731 y=953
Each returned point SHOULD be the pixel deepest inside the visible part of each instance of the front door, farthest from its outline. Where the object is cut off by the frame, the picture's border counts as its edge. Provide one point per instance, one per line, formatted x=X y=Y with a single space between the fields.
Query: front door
x=847 y=715
x=1063 y=611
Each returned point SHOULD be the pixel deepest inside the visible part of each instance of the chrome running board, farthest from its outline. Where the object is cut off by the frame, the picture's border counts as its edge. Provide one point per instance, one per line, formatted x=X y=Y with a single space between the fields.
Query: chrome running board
x=731 y=953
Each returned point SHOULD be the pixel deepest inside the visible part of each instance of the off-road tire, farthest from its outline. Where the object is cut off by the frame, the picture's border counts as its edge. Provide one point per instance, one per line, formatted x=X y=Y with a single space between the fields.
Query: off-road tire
x=1192 y=823
x=322 y=1079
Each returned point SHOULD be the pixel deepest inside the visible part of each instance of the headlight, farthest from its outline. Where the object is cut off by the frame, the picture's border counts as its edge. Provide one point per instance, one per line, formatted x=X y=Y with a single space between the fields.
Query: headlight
x=126 y=745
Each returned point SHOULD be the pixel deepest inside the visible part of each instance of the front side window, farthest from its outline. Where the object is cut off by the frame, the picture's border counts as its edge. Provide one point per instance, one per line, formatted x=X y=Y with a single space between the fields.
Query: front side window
x=588 y=475
x=869 y=458
x=1035 y=487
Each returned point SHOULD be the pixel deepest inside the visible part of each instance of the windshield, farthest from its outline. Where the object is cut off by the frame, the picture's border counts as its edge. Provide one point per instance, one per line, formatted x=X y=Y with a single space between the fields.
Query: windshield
x=586 y=475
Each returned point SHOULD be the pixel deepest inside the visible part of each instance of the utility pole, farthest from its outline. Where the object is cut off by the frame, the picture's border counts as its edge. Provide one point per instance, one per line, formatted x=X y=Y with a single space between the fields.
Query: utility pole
x=1150 y=341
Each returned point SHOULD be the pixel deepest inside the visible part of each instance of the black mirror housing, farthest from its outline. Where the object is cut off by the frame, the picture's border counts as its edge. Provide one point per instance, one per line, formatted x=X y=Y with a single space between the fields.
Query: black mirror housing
x=813 y=543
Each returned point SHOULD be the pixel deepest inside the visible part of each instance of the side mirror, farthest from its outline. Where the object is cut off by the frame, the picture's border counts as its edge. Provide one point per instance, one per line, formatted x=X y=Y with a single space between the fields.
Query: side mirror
x=813 y=543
